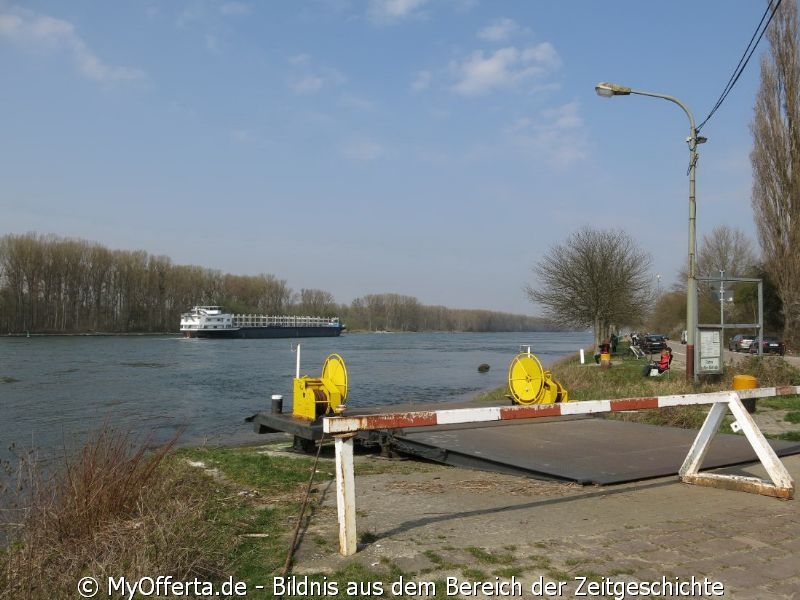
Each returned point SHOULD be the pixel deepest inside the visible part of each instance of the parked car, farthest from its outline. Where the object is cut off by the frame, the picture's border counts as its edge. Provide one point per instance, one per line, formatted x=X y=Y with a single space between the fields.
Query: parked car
x=740 y=343
x=770 y=344
x=652 y=342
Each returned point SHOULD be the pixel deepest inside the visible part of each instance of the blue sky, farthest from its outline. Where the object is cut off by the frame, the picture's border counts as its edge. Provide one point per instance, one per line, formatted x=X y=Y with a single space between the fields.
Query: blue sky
x=430 y=148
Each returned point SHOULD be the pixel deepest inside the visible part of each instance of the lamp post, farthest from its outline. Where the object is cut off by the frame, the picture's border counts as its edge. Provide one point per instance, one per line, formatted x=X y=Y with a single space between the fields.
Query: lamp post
x=722 y=302
x=607 y=90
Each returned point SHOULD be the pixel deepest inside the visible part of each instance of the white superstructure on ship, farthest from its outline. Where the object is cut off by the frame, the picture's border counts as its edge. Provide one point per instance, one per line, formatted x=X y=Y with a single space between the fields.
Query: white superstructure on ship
x=213 y=321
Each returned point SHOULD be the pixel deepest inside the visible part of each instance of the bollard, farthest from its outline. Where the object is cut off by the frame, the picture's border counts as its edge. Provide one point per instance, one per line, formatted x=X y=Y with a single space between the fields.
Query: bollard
x=746 y=382
x=277 y=404
x=582 y=357
x=605 y=360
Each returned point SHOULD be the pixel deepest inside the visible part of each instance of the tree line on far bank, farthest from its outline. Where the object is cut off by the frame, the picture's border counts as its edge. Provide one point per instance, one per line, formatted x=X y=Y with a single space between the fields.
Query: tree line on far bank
x=50 y=284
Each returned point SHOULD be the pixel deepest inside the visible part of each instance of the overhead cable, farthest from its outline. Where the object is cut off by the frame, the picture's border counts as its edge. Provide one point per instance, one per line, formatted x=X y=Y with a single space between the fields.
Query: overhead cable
x=748 y=53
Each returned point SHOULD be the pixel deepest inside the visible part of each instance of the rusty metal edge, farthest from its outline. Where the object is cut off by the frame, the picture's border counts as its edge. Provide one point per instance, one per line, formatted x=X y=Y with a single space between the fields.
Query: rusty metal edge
x=752 y=485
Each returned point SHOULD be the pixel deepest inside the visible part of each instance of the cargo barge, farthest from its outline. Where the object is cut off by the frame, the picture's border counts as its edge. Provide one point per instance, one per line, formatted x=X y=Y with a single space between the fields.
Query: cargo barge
x=214 y=322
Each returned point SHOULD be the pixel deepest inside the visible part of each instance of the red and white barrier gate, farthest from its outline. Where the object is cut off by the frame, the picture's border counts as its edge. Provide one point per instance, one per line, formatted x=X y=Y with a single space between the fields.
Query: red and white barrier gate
x=781 y=484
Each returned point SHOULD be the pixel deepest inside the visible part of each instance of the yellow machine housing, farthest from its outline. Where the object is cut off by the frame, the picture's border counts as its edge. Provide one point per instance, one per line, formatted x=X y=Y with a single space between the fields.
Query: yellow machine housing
x=318 y=396
x=529 y=383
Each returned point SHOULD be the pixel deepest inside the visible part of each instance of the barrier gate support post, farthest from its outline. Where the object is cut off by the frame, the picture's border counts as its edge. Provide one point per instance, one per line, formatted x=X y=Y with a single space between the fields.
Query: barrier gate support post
x=345 y=494
x=345 y=428
x=781 y=484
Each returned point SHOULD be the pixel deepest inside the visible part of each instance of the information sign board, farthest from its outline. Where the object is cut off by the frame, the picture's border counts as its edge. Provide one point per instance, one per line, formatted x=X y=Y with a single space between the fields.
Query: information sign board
x=710 y=350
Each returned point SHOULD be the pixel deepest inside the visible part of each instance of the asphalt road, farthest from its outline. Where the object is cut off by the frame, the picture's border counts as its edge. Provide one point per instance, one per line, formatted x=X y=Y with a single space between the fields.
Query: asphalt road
x=679 y=354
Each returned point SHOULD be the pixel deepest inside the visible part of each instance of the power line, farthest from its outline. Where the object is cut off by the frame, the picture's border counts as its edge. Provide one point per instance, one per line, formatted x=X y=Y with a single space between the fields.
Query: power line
x=748 y=53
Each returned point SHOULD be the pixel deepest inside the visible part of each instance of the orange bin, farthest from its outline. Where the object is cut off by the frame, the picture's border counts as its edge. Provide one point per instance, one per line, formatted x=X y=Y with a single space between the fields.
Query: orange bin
x=746 y=382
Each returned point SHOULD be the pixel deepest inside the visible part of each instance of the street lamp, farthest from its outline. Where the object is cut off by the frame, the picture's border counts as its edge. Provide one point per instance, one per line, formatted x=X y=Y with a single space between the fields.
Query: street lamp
x=722 y=301
x=607 y=90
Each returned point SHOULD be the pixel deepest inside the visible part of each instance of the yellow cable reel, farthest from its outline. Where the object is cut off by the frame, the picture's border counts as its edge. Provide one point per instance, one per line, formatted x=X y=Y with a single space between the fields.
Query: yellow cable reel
x=525 y=378
x=334 y=373
x=318 y=396
x=529 y=383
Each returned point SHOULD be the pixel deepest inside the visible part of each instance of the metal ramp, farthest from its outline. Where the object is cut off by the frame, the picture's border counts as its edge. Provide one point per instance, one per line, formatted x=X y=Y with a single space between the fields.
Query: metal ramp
x=587 y=450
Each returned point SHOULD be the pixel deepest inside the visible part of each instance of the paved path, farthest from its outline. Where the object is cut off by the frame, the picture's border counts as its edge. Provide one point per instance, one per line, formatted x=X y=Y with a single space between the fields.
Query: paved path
x=468 y=525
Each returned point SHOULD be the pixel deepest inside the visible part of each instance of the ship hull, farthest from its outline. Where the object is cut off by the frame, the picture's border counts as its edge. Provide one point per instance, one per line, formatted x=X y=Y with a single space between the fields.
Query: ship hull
x=265 y=332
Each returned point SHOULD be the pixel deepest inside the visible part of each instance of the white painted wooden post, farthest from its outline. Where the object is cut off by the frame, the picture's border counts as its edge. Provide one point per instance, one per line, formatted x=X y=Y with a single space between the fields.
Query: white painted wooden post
x=345 y=494
x=694 y=460
x=766 y=454
x=780 y=484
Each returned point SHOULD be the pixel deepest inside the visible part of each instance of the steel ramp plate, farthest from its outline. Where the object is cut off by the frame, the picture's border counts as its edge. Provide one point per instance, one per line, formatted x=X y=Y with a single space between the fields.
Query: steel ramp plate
x=587 y=450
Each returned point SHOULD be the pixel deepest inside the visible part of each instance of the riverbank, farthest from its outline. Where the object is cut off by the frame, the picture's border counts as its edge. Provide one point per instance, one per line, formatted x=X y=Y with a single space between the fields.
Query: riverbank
x=91 y=334
x=229 y=514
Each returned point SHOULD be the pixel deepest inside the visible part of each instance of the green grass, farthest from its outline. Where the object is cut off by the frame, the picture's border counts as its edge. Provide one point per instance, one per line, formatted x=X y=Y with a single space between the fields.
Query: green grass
x=509 y=572
x=495 y=396
x=490 y=558
x=791 y=403
x=254 y=467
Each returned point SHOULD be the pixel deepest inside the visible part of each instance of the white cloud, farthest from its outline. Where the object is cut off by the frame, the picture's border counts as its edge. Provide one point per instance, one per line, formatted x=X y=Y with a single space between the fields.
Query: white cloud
x=564 y=117
x=42 y=32
x=505 y=68
x=212 y=43
x=422 y=81
x=309 y=84
x=556 y=136
x=193 y=12
x=543 y=53
x=353 y=101
x=299 y=59
x=243 y=136
x=383 y=11
x=310 y=79
x=499 y=31
x=235 y=9
x=363 y=150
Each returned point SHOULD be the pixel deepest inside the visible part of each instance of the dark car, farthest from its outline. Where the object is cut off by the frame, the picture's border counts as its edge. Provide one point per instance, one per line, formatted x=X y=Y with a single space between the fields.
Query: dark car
x=769 y=345
x=740 y=343
x=652 y=342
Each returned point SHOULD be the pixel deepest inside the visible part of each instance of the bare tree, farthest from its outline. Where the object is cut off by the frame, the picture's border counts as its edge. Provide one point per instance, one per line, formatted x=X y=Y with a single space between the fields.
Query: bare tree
x=318 y=303
x=595 y=279
x=776 y=162
x=726 y=249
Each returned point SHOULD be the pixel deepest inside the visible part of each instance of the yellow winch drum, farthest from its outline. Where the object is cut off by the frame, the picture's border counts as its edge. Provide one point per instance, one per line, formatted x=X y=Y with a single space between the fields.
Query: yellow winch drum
x=529 y=383
x=318 y=396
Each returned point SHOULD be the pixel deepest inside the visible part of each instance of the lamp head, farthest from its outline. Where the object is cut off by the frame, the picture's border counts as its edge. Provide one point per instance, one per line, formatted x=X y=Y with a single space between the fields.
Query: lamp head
x=606 y=90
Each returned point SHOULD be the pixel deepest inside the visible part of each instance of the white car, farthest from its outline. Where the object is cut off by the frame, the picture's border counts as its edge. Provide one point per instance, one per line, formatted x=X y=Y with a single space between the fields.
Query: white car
x=740 y=343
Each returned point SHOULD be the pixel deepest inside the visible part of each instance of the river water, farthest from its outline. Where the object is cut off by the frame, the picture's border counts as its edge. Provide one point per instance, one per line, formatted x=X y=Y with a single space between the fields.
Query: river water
x=54 y=390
